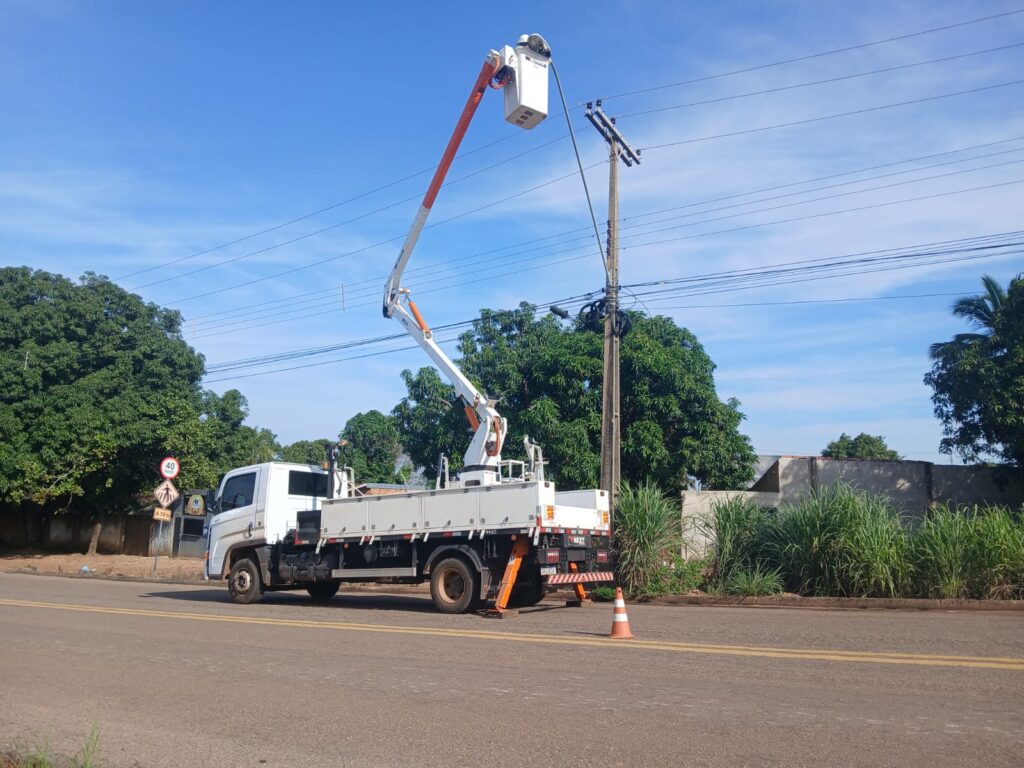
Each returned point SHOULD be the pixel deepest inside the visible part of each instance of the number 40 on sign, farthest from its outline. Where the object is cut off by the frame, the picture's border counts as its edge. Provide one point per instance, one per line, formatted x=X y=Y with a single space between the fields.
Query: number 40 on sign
x=169 y=468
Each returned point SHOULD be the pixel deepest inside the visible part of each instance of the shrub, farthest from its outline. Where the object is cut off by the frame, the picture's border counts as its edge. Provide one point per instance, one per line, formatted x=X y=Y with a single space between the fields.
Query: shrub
x=758 y=580
x=648 y=536
x=676 y=577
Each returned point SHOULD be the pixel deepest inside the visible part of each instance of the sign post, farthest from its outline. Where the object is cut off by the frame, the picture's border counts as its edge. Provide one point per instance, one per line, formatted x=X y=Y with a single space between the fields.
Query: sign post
x=165 y=494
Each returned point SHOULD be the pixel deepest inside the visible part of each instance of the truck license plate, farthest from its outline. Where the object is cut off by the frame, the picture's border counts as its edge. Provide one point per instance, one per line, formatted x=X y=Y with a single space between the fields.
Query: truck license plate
x=577 y=539
x=548 y=570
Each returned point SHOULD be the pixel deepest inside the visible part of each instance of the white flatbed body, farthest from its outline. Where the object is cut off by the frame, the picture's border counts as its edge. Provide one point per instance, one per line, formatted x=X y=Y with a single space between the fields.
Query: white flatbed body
x=528 y=507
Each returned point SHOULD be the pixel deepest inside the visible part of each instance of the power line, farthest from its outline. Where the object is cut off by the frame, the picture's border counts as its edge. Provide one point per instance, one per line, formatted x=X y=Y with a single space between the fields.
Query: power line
x=838 y=175
x=579 y=164
x=811 y=56
x=824 y=214
x=331 y=227
x=520 y=270
x=241 y=364
x=657 y=146
x=820 y=118
x=329 y=259
x=837 y=79
x=464 y=154
x=315 y=297
x=812 y=200
x=455 y=338
x=934 y=248
x=732 y=280
x=805 y=301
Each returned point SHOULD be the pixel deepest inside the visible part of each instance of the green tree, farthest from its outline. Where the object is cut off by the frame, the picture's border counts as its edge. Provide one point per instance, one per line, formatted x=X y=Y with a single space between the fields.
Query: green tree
x=548 y=380
x=428 y=423
x=863 y=446
x=370 y=445
x=214 y=439
x=94 y=385
x=977 y=378
x=307 y=451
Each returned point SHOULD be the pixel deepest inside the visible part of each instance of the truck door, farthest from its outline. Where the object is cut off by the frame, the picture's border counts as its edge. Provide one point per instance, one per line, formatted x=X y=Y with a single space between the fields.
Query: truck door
x=236 y=522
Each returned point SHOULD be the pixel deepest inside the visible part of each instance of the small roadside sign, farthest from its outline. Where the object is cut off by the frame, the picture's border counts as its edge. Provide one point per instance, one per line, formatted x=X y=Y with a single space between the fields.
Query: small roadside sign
x=169 y=468
x=162 y=514
x=166 y=493
x=196 y=505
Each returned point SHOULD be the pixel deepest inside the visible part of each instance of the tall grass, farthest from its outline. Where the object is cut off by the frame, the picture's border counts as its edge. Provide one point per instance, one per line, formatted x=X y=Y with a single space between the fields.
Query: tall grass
x=648 y=535
x=977 y=552
x=841 y=541
x=741 y=531
x=846 y=542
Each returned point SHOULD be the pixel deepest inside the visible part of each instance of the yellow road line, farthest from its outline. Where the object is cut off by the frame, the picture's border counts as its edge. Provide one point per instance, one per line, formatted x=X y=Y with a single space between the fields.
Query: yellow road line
x=869 y=657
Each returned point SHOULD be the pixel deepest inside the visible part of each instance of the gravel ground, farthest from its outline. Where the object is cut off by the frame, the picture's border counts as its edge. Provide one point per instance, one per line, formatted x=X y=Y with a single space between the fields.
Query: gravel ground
x=185 y=568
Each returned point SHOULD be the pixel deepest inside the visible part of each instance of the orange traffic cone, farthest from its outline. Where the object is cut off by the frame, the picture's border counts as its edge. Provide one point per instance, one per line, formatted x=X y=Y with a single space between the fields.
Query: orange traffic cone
x=620 y=621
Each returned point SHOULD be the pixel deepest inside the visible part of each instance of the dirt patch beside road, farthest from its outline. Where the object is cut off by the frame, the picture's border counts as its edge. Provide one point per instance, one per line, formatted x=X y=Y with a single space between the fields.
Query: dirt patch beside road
x=178 y=568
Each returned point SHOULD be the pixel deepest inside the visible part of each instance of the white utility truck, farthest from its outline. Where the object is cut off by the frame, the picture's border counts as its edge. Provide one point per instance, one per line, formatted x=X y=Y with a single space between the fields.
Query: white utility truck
x=498 y=531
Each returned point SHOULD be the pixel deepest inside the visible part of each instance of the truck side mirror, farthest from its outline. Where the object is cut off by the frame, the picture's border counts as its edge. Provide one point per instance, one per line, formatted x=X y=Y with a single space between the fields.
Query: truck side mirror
x=212 y=508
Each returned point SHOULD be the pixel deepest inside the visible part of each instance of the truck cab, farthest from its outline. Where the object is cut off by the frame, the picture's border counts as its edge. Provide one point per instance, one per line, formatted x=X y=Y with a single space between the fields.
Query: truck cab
x=257 y=505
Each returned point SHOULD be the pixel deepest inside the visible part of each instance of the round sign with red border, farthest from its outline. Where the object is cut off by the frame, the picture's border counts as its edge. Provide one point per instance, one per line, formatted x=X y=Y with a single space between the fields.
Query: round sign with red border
x=169 y=468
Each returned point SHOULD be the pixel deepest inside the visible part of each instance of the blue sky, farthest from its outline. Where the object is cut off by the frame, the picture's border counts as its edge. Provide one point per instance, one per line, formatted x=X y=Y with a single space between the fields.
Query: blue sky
x=137 y=136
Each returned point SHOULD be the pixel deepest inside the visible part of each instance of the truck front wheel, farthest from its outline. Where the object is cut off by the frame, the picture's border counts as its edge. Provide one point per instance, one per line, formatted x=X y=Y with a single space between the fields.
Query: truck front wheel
x=453 y=586
x=244 y=584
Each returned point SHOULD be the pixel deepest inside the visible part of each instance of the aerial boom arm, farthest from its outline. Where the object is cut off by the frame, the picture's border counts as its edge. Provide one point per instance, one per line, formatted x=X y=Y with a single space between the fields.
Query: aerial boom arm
x=522 y=71
x=484 y=453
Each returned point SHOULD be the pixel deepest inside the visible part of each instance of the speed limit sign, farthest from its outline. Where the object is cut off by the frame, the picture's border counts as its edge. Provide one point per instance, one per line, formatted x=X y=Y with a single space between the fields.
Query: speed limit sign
x=169 y=468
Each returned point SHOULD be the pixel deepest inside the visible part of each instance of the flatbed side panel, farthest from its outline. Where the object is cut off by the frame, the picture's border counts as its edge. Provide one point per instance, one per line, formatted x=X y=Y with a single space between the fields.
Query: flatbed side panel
x=578 y=517
x=512 y=506
x=398 y=515
x=446 y=511
x=345 y=518
x=588 y=499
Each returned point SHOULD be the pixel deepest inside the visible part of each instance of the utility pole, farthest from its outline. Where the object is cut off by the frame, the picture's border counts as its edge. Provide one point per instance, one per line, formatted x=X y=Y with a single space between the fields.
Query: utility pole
x=611 y=450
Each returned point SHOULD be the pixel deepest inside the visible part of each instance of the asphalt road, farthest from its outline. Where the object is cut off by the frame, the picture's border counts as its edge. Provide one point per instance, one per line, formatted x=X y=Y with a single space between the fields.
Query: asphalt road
x=179 y=676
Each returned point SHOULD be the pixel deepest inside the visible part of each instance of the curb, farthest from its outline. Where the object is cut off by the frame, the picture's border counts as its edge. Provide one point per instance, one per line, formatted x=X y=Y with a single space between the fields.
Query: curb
x=835 y=603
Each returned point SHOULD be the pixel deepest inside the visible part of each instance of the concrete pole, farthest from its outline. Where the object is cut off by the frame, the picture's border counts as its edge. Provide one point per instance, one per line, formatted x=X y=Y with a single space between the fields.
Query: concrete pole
x=610 y=405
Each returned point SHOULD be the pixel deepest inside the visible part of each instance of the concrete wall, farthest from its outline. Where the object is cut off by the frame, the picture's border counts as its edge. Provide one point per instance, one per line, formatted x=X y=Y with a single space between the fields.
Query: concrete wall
x=913 y=486
x=976 y=485
x=27 y=528
x=697 y=507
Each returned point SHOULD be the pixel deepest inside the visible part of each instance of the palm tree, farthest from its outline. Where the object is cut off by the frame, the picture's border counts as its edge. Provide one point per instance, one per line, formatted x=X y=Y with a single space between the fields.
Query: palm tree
x=981 y=312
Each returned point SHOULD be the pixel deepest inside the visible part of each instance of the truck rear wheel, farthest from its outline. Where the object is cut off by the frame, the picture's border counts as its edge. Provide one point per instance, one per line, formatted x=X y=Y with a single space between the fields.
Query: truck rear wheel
x=244 y=583
x=323 y=590
x=528 y=593
x=453 y=586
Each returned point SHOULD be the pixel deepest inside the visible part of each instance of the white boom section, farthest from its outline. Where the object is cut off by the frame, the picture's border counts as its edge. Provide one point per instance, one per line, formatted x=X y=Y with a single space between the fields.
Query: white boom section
x=483 y=457
x=525 y=66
